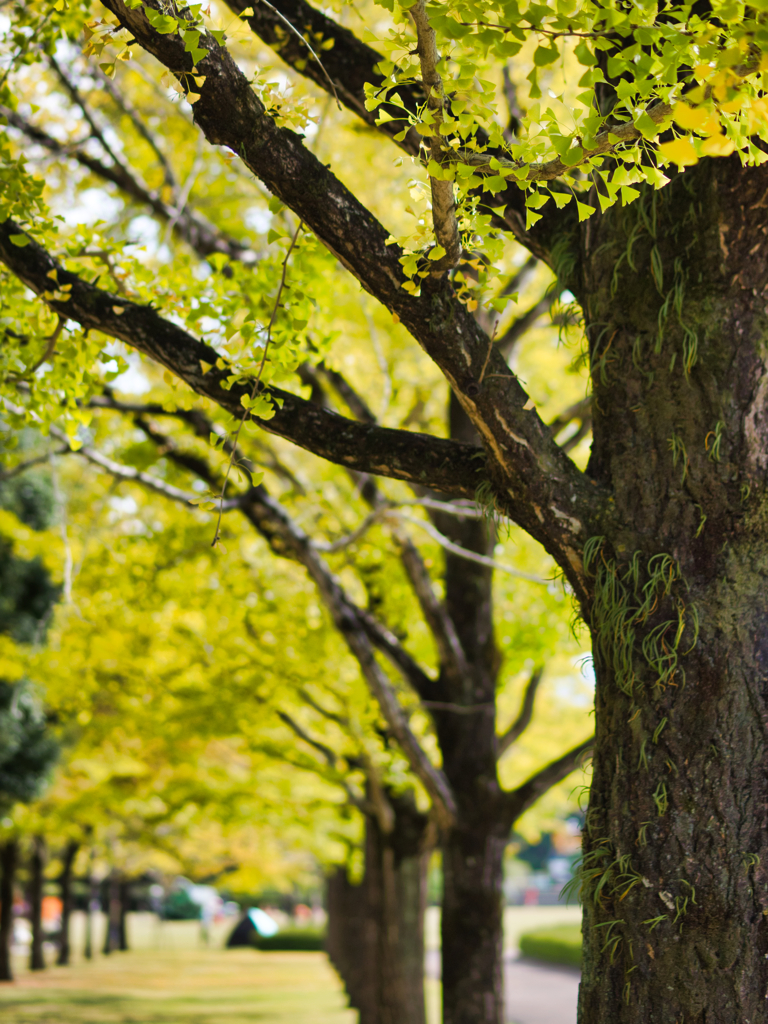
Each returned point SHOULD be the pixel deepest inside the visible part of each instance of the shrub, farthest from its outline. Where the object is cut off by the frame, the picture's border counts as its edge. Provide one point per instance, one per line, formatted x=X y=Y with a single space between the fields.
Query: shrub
x=179 y=907
x=297 y=939
x=559 y=945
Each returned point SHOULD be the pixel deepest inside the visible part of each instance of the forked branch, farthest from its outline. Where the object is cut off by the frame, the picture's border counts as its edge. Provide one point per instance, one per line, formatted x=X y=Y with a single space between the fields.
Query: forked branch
x=520 y=799
x=523 y=720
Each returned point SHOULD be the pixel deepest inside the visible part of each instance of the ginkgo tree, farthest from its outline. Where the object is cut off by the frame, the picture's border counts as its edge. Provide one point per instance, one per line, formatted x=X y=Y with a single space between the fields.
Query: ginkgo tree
x=634 y=168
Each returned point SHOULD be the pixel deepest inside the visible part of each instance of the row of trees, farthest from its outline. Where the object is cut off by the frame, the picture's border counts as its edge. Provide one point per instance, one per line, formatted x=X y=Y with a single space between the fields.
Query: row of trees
x=177 y=727
x=97 y=785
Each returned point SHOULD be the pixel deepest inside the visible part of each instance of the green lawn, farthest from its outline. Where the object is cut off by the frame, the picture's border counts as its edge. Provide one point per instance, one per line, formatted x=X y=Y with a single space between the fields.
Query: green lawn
x=559 y=945
x=168 y=978
x=181 y=987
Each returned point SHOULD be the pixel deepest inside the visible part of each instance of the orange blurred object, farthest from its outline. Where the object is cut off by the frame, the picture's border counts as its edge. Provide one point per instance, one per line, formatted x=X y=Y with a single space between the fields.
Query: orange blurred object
x=51 y=909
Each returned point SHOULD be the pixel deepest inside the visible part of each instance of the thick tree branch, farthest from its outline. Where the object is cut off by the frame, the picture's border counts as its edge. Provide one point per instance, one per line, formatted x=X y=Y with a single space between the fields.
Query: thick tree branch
x=520 y=799
x=443 y=465
x=523 y=720
x=552 y=500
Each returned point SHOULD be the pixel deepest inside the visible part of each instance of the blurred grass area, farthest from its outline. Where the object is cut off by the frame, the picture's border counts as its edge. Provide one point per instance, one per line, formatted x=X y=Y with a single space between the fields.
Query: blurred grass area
x=517 y=921
x=560 y=945
x=181 y=987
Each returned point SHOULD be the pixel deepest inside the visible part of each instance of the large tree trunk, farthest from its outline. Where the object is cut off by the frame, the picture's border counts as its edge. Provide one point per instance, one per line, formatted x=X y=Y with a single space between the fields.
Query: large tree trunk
x=65 y=883
x=8 y=860
x=675 y=879
x=376 y=929
x=36 y=882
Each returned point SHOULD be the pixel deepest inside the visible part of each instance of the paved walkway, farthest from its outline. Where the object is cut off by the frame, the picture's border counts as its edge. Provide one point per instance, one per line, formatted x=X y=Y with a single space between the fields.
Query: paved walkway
x=536 y=993
x=540 y=993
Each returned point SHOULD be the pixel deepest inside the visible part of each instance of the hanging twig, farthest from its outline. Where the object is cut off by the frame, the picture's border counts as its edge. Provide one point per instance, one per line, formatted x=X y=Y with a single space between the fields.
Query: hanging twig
x=301 y=37
x=182 y=197
x=124 y=104
x=255 y=387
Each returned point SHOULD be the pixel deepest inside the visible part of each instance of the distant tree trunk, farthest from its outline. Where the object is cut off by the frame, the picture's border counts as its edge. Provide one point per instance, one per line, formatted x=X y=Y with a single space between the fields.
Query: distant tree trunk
x=8 y=861
x=36 y=879
x=94 y=904
x=351 y=942
x=112 y=936
x=376 y=929
x=124 y=892
x=65 y=883
x=471 y=922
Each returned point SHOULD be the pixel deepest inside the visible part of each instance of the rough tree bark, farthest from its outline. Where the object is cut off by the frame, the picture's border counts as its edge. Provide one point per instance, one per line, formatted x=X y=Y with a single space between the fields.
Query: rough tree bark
x=376 y=928
x=675 y=882
x=65 y=883
x=36 y=881
x=9 y=853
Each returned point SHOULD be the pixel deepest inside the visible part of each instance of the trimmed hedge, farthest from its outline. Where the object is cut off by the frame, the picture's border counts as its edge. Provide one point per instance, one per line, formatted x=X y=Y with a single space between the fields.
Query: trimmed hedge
x=559 y=945
x=296 y=940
